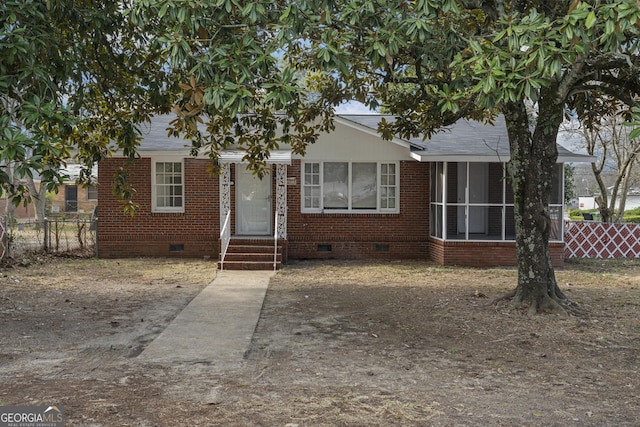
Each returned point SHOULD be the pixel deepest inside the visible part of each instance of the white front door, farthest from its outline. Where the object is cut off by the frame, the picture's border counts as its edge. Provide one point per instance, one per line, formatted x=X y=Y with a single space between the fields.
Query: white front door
x=253 y=203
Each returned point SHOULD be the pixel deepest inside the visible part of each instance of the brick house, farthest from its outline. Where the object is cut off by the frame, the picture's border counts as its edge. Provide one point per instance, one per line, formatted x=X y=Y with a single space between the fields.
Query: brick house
x=353 y=195
x=72 y=199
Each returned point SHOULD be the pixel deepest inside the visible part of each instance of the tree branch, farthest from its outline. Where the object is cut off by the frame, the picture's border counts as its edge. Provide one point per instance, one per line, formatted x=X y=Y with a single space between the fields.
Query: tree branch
x=625 y=98
x=570 y=79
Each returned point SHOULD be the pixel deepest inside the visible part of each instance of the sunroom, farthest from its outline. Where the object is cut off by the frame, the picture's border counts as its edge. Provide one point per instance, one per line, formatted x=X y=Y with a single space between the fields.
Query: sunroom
x=471 y=211
x=473 y=201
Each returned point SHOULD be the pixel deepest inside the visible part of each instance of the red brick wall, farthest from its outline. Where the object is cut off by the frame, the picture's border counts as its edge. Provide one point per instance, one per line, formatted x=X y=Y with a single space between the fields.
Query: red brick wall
x=374 y=236
x=151 y=234
x=484 y=254
x=387 y=236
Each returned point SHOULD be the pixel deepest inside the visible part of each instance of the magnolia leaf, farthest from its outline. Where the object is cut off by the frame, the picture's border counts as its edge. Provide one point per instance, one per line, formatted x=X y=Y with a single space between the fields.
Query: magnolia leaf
x=590 y=20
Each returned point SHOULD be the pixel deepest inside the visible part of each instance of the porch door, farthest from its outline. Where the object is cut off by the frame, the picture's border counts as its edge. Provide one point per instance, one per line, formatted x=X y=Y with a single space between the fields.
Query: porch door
x=473 y=190
x=478 y=193
x=253 y=203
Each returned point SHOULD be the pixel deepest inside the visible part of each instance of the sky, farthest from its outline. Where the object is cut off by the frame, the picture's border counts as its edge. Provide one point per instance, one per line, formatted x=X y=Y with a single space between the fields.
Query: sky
x=353 y=107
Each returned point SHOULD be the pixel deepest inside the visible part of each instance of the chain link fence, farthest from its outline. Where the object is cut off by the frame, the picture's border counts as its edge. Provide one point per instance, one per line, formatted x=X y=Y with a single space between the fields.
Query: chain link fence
x=61 y=236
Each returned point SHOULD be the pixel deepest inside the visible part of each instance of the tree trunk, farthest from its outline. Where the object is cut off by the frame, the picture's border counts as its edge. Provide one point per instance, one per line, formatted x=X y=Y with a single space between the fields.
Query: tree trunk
x=622 y=189
x=9 y=210
x=38 y=197
x=10 y=207
x=533 y=158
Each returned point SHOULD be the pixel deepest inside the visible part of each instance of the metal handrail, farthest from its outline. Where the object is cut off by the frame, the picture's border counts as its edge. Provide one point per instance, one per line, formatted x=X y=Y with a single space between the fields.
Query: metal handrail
x=225 y=238
x=275 y=242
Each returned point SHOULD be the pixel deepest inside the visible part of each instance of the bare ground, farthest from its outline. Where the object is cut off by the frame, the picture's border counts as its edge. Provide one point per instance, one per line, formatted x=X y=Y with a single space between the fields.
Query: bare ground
x=338 y=344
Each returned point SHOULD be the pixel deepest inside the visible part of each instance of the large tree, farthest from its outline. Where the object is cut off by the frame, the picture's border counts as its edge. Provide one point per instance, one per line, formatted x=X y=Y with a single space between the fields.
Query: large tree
x=76 y=77
x=479 y=59
x=475 y=59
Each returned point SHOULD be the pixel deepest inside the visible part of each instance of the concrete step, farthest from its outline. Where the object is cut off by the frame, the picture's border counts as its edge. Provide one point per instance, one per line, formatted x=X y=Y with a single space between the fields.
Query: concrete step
x=250 y=265
x=252 y=256
x=233 y=248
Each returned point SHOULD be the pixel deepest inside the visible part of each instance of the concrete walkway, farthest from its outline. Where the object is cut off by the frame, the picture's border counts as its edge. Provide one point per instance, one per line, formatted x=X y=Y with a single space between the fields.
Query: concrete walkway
x=217 y=325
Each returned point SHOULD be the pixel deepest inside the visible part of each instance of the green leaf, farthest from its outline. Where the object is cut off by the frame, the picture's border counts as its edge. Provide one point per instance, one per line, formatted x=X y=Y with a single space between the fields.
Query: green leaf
x=163 y=10
x=590 y=20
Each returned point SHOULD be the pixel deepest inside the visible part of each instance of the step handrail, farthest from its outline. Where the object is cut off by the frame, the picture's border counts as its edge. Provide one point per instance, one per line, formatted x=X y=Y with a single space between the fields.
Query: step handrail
x=225 y=238
x=275 y=242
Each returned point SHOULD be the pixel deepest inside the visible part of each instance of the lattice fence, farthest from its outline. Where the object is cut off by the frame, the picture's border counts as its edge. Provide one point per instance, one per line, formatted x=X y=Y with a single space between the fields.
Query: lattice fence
x=586 y=239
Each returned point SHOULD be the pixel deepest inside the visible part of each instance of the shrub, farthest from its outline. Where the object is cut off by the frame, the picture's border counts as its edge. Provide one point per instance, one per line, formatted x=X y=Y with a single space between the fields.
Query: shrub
x=578 y=214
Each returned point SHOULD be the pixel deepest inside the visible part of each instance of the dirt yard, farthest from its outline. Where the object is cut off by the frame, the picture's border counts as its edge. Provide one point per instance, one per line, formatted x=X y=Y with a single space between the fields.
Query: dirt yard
x=338 y=344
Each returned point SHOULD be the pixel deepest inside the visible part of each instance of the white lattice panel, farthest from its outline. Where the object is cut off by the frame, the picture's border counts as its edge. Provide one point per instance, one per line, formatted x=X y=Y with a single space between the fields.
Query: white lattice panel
x=281 y=200
x=586 y=239
x=225 y=192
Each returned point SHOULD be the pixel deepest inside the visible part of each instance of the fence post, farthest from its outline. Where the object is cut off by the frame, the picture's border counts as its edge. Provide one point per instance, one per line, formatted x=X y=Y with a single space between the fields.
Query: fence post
x=94 y=223
x=45 y=227
x=4 y=238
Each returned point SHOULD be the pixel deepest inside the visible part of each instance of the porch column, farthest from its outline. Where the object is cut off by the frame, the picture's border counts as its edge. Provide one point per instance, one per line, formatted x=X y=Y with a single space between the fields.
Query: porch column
x=225 y=191
x=281 y=200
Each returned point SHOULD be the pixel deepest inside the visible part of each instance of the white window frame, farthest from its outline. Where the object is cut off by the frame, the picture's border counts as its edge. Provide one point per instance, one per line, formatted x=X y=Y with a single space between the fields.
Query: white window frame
x=395 y=186
x=154 y=186
x=311 y=186
x=378 y=209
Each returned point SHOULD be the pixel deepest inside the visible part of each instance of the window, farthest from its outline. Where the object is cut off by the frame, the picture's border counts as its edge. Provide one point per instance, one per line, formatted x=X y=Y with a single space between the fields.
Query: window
x=168 y=187
x=335 y=184
x=92 y=192
x=474 y=201
x=350 y=187
x=388 y=186
x=364 y=185
x=312 y=186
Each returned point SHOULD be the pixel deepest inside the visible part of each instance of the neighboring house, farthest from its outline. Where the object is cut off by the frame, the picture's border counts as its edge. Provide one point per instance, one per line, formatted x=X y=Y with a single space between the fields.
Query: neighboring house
x=353 y=195
x=73 y=198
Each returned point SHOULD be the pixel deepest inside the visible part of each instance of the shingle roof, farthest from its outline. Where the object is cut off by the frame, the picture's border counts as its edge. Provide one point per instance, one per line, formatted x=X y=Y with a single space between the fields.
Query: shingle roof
x=155 y=136
x=466 y=140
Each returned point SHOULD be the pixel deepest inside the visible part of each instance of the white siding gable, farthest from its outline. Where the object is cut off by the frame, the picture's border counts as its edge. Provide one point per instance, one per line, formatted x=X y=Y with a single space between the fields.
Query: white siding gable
x=350 y=143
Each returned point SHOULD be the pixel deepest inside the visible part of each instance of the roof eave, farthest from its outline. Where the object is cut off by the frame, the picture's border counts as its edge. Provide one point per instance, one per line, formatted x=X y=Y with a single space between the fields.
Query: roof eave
x=576 y=158
x=424 y=157
x=281 y=157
